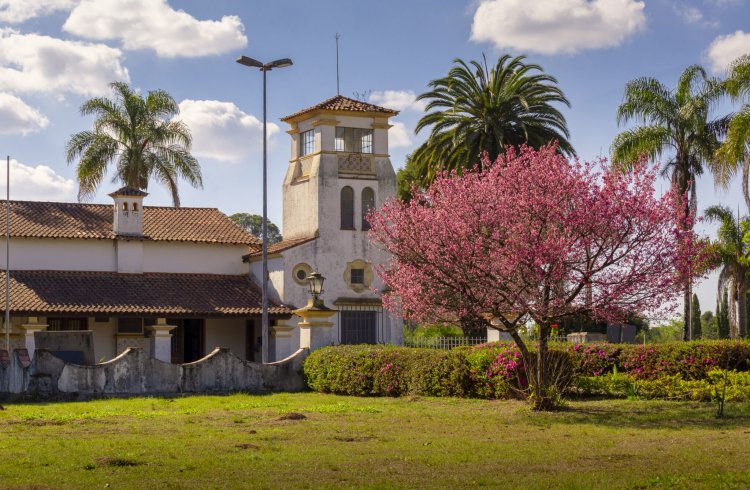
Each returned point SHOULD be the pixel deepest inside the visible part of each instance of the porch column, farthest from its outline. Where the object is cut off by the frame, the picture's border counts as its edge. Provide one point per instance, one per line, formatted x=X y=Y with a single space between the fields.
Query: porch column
x=315 y=329
x=161 y=340
x=29 y=328
x=282 y=338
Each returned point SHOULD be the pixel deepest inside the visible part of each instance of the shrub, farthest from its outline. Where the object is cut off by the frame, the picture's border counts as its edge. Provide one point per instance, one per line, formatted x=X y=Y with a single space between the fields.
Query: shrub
x=489 y=371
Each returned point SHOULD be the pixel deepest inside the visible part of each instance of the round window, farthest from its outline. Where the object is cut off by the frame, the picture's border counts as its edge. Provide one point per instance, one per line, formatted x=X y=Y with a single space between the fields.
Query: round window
x=301 y=275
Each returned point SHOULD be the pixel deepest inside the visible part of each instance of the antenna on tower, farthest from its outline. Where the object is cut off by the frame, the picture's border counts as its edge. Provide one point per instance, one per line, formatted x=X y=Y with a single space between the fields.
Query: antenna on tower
x=338 y=88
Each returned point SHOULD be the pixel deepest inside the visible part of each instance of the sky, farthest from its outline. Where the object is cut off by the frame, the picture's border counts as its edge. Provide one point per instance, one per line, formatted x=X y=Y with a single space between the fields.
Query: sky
x=55 y=54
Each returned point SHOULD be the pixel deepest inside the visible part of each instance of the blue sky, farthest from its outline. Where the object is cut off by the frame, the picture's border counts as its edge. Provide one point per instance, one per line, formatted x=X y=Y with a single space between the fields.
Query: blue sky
x=56 y=53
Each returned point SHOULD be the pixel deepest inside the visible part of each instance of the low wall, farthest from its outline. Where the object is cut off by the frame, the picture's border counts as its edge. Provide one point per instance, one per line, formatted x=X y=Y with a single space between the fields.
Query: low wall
x=135 y=373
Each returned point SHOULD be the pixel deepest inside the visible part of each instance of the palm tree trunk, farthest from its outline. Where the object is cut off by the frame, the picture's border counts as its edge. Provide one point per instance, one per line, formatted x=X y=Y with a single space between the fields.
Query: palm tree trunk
x=745 y=177
x=742 y=308
x=733 y=310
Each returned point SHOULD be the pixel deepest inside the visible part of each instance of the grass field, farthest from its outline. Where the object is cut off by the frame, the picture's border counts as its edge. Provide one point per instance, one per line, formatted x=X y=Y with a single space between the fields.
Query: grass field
x=310 y=441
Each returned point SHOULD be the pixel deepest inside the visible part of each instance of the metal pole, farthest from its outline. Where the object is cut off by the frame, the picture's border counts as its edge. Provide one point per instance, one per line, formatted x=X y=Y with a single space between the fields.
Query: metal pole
x=7 y=254
x=264 y=331
x=338 y=91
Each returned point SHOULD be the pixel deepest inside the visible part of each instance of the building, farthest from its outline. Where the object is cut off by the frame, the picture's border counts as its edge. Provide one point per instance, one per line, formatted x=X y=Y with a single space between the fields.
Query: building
x=179 y=282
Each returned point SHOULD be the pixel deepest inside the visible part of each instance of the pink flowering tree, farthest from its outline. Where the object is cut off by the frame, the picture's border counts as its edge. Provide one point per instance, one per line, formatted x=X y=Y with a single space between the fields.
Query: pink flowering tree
x=534 y=236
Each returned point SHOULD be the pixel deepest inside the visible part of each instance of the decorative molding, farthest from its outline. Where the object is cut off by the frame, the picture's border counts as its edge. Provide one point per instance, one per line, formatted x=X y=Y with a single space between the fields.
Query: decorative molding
x=368 y=275
x=355 y=163
x=301 y=267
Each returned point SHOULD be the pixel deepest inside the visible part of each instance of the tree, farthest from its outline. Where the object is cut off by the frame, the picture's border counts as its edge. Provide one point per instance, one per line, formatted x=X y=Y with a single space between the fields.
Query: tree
x=481 y=109
x=722 y=315
x=139 y=137
x=253 y=223
x=734 y=152
x=676 y=121
x=709 y=325
x=732 y=251
x=406 y=178
x=534 y=237
x=695 y=317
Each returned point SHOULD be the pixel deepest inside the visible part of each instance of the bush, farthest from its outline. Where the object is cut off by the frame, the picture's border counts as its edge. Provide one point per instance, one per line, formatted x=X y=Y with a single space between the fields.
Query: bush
x=489 y=371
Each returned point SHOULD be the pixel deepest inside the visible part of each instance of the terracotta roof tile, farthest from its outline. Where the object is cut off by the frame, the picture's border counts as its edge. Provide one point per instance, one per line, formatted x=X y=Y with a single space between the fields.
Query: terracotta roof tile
x=148 y=294
x=341 y=103
x=36 y=219
x=128 y=191
x=278 y=247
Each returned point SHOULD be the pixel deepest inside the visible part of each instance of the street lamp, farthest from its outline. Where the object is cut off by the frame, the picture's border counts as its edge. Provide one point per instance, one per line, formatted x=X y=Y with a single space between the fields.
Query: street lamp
x=315 y=282
x=264 y=67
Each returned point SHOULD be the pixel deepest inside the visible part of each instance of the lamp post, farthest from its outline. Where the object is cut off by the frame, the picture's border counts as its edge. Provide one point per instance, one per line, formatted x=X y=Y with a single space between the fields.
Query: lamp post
x=264 y=67
x=315 y=283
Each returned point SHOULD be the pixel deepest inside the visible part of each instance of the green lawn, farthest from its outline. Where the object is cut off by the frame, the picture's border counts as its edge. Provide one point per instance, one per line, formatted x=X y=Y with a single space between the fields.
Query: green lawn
x=257 y=441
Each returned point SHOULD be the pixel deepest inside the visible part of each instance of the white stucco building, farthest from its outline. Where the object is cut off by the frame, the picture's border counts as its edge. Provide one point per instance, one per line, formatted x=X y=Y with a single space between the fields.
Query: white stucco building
x=179 y=282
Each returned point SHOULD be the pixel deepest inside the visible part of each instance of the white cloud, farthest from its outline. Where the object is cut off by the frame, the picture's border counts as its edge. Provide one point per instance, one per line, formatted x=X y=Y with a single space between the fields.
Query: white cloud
x=397 y=99
x=556 y=26
x=16 y=117
x=153 y=24
x=725 y=49
x=40 y=183
x=221 y=131
x=35 y=63
x=693 y=15
x=398 y=136
x=15 y=11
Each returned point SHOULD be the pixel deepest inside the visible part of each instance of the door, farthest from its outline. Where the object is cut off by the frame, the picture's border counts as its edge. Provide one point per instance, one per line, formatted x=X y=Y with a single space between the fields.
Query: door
x=188 y=340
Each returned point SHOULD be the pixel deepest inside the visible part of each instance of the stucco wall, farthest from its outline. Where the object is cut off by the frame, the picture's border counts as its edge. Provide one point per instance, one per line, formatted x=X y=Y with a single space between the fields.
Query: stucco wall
x=186 y=257
x=61 y=254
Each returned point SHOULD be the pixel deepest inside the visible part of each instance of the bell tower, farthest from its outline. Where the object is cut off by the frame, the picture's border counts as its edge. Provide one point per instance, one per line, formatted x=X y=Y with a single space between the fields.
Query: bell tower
x=128 y=211
x=339 y=169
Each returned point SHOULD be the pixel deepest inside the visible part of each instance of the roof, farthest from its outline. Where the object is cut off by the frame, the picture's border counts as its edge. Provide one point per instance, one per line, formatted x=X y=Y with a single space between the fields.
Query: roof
x=147 y=294
x=39 y=219
x=129 y=191
x=341 y=103
x=279 y=247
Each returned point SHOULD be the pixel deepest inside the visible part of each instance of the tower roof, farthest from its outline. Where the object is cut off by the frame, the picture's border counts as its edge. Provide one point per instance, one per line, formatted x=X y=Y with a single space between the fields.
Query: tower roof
x=343 y=104
x=129 y=191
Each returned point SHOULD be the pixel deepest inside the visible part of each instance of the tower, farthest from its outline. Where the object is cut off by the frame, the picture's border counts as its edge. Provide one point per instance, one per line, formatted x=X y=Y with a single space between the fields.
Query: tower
x=339 y=170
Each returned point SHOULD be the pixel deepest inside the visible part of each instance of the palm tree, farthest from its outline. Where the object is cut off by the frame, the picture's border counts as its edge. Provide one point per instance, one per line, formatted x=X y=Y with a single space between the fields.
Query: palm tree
x=674 y=121
x=481 y=109
x=137 y=135
x=734 y=153
x=732 y=251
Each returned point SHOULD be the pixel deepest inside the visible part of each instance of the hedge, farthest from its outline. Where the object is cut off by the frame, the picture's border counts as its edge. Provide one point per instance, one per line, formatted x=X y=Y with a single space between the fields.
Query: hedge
x=683 y=370
x=493 y=371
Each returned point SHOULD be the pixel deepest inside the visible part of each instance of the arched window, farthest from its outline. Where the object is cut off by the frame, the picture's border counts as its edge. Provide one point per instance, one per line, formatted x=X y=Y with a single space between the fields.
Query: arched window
x=368 y=204
x=124 y=206
x=347 y=208
x=135 y=206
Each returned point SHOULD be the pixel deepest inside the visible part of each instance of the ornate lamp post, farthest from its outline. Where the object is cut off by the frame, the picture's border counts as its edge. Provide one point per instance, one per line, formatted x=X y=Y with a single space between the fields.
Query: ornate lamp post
x=315 y=327
x=315 y=283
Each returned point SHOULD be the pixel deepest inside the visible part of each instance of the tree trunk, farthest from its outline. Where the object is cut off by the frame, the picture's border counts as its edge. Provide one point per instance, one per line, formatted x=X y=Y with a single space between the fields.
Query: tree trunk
x=745 y=177
x=732 y=313
x=687 y=313
x=742 y=308
x=542 y=399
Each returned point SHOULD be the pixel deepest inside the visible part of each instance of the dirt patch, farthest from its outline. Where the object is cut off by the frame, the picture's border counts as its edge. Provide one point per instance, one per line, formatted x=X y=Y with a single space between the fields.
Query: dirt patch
x=353 y=438
x=118 y=462
x=246 y=445
x=292 y=416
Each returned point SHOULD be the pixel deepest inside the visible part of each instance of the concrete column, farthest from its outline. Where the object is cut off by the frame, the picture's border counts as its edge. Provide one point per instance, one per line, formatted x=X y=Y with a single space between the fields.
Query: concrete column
x=29 y=329
x=282 y=341
x=161 y=340
x=315 y=331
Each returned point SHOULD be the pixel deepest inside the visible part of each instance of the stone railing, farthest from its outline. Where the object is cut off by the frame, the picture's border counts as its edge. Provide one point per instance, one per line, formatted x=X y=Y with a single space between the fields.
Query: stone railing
x=355 y=163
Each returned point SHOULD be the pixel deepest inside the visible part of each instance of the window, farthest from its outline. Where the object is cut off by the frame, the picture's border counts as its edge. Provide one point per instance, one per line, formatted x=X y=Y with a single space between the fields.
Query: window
x=301 y=275
x=124 y=206
x=357 y=276
x=347 y=208
x=353 y=140
x=358 y=326
x=368 y=204
x=135 y=206
x=63 y=324
x=307 y=142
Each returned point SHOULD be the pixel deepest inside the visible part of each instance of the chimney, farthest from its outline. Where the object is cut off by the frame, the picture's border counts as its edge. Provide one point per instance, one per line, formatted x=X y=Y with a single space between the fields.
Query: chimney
x=128 y=215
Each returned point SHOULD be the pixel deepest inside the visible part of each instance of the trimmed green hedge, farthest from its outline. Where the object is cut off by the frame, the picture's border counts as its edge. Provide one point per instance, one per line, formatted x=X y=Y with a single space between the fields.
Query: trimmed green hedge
x=493 y=371
x=680 y=370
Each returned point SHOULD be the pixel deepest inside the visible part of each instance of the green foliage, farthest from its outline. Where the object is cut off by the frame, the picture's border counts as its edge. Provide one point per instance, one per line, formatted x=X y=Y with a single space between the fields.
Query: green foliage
x=140 y=137
x=709 y=325
x=695 y=318
x=432 y=330
x=253 y=223
x=722 y=315
x=673 y=387
x=482 y=109
x=668 y=332
x=488 y=371
x=406 y=178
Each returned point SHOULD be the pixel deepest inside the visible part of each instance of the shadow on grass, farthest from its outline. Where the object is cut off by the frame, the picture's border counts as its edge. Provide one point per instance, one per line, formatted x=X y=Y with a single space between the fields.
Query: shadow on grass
x=648 y=414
